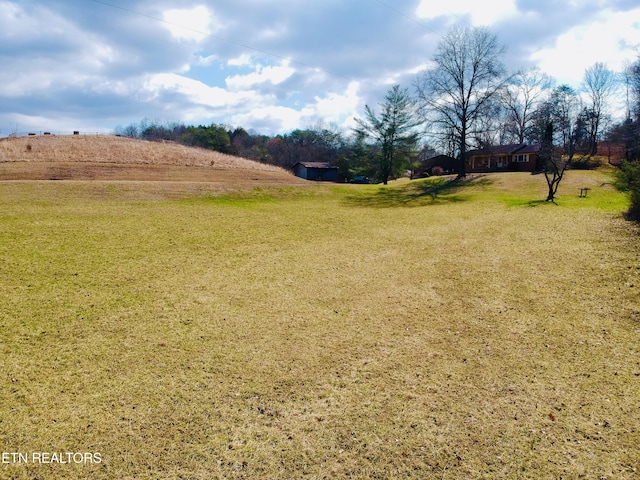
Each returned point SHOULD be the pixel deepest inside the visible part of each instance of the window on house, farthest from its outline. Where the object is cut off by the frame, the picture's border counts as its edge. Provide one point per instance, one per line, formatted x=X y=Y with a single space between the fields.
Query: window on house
x=523 y=158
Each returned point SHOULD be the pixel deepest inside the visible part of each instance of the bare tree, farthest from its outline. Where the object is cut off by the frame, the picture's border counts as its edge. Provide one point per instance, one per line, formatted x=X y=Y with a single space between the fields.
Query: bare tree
x=554 y=163
x=520 y=97
x=633 y=74
x=599 y=85
x=132 y=131
x=558 y=117
x=564 y=109
x=455 y=95
x=631 y=79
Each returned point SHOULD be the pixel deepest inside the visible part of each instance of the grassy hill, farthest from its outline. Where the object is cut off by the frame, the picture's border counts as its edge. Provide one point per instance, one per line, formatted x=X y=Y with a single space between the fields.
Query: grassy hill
x=422 y=330
x=81 y=157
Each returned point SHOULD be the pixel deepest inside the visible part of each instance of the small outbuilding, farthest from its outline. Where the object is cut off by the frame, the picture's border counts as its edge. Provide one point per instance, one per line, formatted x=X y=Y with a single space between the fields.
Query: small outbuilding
x=320 y=171
x=438 y=165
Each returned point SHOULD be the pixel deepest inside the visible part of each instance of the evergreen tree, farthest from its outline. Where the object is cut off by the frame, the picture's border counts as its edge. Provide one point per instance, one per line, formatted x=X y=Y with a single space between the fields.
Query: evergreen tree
x=393 y=131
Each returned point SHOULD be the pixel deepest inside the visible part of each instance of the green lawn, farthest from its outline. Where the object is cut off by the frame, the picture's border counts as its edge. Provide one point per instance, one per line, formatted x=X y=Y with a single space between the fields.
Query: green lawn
x=420 y=330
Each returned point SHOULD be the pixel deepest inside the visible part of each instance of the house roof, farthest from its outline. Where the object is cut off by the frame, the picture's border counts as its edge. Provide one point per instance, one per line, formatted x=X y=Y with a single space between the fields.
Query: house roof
x=529 y=149
x=440 y=160
x=510 y=149
x=321 y=165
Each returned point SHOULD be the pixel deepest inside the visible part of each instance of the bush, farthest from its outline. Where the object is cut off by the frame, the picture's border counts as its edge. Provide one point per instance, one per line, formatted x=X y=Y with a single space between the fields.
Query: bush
x=585 y=163
x=628 y=180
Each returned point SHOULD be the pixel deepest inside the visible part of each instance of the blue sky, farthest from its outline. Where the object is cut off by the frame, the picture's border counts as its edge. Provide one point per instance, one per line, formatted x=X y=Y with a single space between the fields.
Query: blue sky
x=93 y=65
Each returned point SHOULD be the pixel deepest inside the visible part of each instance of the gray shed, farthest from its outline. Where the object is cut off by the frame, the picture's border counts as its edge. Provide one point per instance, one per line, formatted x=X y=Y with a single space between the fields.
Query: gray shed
x=321 y=171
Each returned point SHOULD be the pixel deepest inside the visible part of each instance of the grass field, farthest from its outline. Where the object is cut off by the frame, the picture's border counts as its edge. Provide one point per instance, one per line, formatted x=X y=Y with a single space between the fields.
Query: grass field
x=422 y=330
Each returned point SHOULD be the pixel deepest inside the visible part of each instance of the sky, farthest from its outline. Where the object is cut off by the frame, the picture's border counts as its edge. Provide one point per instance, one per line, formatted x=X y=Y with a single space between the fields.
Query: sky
x=268 y=66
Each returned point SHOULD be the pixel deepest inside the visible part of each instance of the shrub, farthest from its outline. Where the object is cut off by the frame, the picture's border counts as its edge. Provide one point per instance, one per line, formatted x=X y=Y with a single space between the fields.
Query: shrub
x=585 y=163
x=628 y=180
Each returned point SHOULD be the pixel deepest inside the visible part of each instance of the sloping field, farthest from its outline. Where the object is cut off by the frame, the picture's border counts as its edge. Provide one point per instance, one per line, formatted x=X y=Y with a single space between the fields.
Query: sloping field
x=81 y=157
x=426 y=330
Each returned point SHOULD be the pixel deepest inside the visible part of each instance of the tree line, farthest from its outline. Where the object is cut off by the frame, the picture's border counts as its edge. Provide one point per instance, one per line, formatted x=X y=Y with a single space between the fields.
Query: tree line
x=319 y=143
x=468 y=99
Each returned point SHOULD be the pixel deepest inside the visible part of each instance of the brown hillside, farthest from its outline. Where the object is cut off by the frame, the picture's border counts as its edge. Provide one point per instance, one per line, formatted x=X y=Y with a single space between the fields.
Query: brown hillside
x=101 y=157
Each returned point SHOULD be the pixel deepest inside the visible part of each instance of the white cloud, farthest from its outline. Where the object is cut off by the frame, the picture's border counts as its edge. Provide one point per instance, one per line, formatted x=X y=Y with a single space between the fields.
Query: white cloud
x=333 y=108
x=395 y=78
x=130 y=66
x=274 y=75
x=481 y=13
x=241 y=61
x=197 y=92
x=207 y=61
x=337 y=108
x=192 y=24
x=279 y=118
x=15 y=22
x=584 y=45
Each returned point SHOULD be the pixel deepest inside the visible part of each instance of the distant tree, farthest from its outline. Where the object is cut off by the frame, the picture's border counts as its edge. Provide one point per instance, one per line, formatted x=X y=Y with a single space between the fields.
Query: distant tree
x=456 y=93
x=153 y=130
x=213 y=137
x=557 y=148
x=627 y=132
x=130 y=131
x=522 y=92
x=583 y=141
x=628 y=178
x=357 y=159
x=320 y=143
x=158 y=131
x=634 y=76
x=238 y=139
x=315 y=144
x=553 y=163
x=599 y=85
x=626 y=136
x=564 y=107
x=631 y=77
x=489 y=128
x=249 y=144
x=393 y=131
x=278 y=152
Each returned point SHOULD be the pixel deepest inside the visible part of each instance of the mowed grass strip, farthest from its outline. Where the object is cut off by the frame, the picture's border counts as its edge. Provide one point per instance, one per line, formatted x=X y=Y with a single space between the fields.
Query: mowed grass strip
x=423 y=330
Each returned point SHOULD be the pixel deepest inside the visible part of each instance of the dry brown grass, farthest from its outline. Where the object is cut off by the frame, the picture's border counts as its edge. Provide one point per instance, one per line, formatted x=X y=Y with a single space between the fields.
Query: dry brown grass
x=324 y=333
x=81 y=157
x=116 y=150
